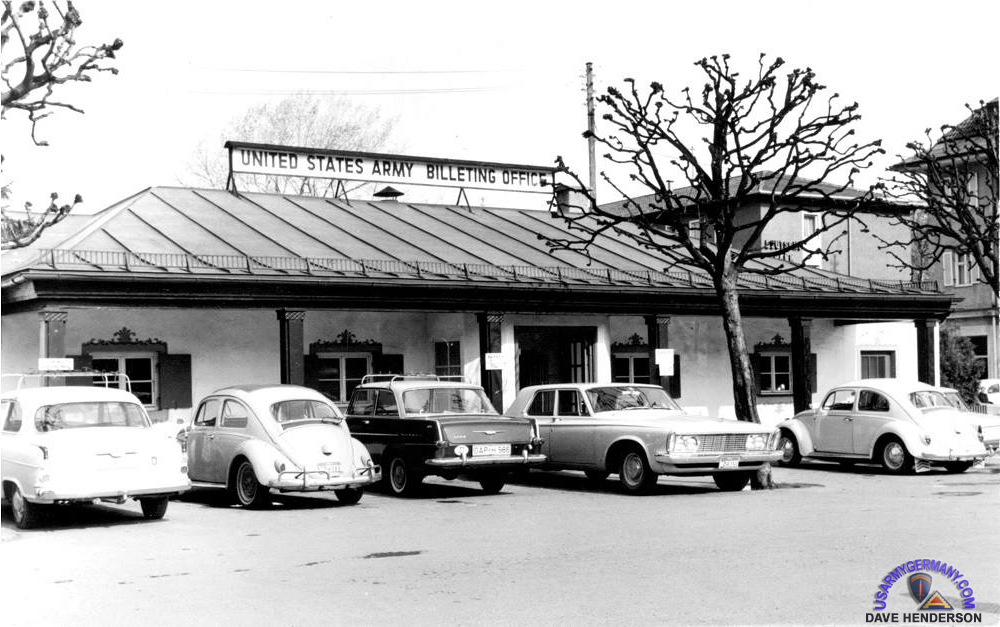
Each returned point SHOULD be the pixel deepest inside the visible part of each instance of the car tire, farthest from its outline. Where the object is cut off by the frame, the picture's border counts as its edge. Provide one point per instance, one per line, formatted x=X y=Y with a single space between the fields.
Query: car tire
x=154 y=508
x=789 y=447
x=634 y=472
x=957 y=467
x=493 y=482
x=247 y=491
x=349 y=496
x=26 y=514
x=731 y=481
x=596 y=477
x=401 y=478
x=894 y=457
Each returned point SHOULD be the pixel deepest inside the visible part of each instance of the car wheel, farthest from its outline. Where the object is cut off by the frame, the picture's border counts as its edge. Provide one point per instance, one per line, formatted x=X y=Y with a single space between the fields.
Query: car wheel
x=731 y=481
x=895 y=458
x=492 y=483
x=26 y=514
x=596 y=477
x=789 y=447
x=957 y=467
x=402 y=480
x=154 y=508
x=349 y=496
x=635 y=474
x=247 y=491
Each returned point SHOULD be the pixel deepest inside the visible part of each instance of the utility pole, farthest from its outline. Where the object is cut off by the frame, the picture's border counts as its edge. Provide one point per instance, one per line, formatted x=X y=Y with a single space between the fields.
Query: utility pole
x=591 y=140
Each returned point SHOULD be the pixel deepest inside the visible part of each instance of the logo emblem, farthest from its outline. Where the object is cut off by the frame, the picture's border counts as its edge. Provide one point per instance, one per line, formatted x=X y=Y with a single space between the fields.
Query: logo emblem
x=489 y=432
x=920 y=586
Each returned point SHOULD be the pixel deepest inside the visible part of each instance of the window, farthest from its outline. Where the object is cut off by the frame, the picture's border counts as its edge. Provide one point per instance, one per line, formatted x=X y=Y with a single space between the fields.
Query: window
x=85 y=415
x=959 y=269
x=140 y=368
x=630 y=368
x=972 y=188
x=448 y=359
x=878 y=364
x=362 y=403
x=338 y=374
x=839 y=400
x=774 y=373
x=981 y=351
x=385 y=404
x=571 y=403
x=234 y=415
x=811 y=224
x=694 y=231
x=542 y=404
x=12 y=413
x=208 y=413
x=872 y=401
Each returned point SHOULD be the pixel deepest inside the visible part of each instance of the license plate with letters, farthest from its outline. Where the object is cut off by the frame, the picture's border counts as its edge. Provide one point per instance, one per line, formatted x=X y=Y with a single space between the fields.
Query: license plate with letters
x=482 y=450
x=729 y=462
x=332 y=468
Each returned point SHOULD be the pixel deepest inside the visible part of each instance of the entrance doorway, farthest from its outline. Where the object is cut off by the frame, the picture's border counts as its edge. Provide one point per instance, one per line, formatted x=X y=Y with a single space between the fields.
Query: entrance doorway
x=554 y=355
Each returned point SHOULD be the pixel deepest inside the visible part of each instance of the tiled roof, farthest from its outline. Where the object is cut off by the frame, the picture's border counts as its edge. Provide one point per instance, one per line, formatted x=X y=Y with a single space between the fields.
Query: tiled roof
x=956 y=142
x=212 y=233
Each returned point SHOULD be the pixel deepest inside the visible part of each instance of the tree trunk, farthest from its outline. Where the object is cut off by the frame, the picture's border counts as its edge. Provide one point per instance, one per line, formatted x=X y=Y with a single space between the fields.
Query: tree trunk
x=744 y=391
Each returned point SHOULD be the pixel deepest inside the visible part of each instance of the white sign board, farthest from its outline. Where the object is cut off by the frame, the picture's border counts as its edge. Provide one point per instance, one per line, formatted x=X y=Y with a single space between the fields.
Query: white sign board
x=665 y=361
x=494 y=361
x=379 y=168
x=55 y=363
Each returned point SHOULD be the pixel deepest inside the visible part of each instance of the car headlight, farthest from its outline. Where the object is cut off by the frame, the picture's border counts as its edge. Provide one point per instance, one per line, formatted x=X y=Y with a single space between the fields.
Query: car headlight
x=685 y=444
x=756 y=442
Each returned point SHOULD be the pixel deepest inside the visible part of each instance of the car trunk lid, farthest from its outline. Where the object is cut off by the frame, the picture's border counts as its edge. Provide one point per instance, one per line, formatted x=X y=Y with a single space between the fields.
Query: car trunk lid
x=482 y=430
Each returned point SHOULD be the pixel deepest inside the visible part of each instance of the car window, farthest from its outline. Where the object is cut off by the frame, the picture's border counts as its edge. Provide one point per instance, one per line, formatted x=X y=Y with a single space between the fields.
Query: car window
x=543 y=404
x=570 y=403
x=89 y=414
x=286 y=413
x=993 y=389
x=208 y=413
x=447 y=400
x=839 y=400
x=385 y=404
x=234 y=415
x=625 y=397
x=12 y=413
x=870 y=400
x=362 y=403
x=929 y=399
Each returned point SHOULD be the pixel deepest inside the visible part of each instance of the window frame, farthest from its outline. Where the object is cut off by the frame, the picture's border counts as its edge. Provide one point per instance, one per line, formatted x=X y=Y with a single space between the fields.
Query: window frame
x=452 y=366
x=245 y=418
x=343 y=382
x=888 y=354
x=770 y=357
x=631 y=357
x=154 y=370
x=813 y=260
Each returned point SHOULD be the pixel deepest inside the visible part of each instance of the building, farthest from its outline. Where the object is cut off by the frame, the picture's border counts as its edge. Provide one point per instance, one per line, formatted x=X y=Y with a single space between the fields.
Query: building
x=188 y=290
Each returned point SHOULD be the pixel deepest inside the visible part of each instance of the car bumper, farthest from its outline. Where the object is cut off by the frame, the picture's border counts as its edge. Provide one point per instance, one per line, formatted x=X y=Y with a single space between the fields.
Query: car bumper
x=315 y=480
x=953 y=456
x=701 y=463
x=525 y=459
x=50 y=494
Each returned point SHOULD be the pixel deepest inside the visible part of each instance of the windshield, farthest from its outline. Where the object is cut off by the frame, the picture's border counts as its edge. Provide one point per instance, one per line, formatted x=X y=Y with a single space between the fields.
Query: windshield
x=94 y=414
x=287 y=412
x=929 y=399
x=630 y=397
x=447 y=401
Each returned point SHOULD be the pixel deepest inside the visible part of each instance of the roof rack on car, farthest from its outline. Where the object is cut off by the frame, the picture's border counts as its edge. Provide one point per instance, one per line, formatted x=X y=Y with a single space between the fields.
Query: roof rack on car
x=107 y=377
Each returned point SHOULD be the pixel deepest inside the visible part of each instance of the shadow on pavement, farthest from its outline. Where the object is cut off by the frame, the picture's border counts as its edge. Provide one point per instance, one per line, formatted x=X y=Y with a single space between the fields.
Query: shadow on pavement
x=219 y=499
x=578 y=482
x=56 y=517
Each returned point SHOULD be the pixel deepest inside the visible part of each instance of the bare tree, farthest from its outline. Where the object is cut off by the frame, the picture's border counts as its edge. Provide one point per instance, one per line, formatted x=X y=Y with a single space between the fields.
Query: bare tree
x=746 y=152
x=952 y=180
x=300 y=120
x=39 y=55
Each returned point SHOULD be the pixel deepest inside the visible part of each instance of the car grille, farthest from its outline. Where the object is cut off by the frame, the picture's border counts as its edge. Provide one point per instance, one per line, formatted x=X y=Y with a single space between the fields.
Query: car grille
x=724 y=443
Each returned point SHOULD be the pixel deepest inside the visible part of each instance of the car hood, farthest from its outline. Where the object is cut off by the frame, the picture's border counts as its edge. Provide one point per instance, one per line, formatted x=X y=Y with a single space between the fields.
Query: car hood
x=678 y=422
x=310 y=444
x=106 y=443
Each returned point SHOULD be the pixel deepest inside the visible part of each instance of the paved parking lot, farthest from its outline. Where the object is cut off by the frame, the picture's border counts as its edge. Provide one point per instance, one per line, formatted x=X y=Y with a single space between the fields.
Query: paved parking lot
x=548 y=549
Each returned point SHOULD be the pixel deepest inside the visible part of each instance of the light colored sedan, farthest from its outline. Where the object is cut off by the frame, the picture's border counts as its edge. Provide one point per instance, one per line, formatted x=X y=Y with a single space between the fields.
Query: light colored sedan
x=639 y=432
x=76 y=444
x=987 y=423
x=899 y=424
x=252 y=439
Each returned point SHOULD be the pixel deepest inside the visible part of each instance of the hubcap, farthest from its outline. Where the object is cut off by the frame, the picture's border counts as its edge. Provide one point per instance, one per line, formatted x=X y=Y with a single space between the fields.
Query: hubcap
x=787 y=450
x=247 y=483
x=894 y=455
x=632 y=467
x=17 y=505
x=398 y=474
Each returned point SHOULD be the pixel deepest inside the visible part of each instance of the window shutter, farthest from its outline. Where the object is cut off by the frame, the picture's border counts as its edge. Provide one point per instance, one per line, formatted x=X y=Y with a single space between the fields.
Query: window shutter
x=812 y=372
x=175 y=381
x=310 y=367
x=757 y=366
x=387 y=364
x=947 y=261
x=675 y=379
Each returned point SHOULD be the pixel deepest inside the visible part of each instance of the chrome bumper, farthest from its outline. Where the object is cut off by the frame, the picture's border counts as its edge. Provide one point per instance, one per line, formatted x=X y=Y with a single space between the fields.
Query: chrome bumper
x=678 y=462
x=499 y=460
x=313 y=480
x=45 y=495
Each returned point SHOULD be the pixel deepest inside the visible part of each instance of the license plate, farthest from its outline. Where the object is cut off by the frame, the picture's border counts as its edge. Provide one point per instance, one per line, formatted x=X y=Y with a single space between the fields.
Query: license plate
x=332 y=468
x=490 y=449
x=729 y=462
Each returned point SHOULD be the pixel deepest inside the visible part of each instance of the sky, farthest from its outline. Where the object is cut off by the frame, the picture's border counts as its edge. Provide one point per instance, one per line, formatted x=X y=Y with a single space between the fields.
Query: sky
x=482 y=81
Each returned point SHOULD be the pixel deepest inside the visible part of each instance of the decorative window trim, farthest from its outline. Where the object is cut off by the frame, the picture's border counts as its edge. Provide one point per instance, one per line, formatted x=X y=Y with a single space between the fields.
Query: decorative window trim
x=345 y=342
x=635 y=344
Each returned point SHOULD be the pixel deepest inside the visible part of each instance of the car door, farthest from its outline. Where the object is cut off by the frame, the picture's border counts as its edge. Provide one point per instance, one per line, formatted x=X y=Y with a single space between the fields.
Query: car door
x=232 y=432
x=834 y=422
x=873 y=412
x=542 y=409
x=575 y=428
x=201 y=434
x=16 y=451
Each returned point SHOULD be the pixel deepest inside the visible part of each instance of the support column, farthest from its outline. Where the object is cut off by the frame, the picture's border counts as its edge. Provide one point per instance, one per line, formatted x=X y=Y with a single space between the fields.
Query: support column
x=926 y=350
x=802 y=384
x=290 y=330
x=657 y=336
x=53 y=333
x=489 y=342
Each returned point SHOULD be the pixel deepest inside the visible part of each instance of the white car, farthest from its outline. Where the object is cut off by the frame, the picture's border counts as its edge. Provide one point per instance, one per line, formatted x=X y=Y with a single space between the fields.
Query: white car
x=990 y=388
x=899 y=424
x=987 y=423
x=71 y=444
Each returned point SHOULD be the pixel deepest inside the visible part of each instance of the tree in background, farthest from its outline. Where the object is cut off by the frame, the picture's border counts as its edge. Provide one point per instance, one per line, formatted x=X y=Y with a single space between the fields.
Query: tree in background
x=703 y=159
x=39 y=55
x=959 y=369
x=300 y=120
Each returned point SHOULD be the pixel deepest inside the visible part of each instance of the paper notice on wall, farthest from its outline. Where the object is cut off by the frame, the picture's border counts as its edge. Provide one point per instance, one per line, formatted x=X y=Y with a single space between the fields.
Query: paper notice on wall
x=665 y=361
x=55 y=363
x=494 y=361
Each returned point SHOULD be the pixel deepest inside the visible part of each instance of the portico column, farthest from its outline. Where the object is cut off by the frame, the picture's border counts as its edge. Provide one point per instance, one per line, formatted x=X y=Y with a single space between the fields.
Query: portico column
x=657 y=336
x=801 y=350
x=489 y=342
x=290 y=331
x=52 y=333
x=926 y=351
